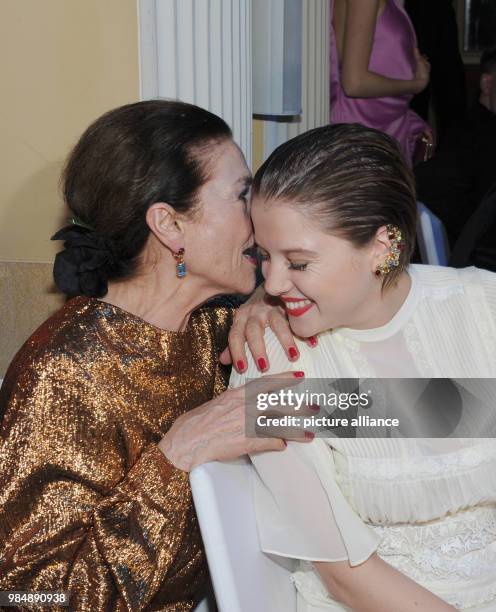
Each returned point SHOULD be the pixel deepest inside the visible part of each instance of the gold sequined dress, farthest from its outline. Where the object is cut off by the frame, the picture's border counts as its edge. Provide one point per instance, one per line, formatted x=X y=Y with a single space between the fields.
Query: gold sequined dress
x=88 y=503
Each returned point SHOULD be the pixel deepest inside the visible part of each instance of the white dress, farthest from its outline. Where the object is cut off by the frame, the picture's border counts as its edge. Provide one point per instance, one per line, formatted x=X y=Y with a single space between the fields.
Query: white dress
x=427 y=506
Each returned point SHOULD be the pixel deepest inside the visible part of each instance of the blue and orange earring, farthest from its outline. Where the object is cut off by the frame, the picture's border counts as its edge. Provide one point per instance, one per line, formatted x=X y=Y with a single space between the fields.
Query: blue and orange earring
x=180 y=265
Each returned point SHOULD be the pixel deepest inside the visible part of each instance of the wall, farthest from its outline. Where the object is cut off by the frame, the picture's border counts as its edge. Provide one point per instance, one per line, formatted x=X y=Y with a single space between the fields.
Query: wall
x=63 y=63
x=257 y=157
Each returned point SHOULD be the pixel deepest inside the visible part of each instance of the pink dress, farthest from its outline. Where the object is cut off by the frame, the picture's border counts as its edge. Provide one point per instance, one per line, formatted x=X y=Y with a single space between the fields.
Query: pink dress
x=392 y=56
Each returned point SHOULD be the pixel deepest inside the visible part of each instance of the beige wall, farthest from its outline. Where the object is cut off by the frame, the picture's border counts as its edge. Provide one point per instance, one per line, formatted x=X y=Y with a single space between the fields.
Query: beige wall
x=28 y=297
x=257 y=157
x=63 y=63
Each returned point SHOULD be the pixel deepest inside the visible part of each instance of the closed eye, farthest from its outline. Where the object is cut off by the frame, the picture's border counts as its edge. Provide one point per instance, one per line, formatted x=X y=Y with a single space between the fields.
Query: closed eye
x=300 y=267
x=244 y=196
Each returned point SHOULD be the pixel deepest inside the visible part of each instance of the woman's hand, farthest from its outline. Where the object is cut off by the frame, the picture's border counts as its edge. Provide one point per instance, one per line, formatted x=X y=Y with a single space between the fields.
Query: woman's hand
x=216 y=430
x=250 y=321
x=422 y=71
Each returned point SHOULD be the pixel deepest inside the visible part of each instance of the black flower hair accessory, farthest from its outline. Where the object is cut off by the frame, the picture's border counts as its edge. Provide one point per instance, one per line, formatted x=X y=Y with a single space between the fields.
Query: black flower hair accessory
x=81 y=268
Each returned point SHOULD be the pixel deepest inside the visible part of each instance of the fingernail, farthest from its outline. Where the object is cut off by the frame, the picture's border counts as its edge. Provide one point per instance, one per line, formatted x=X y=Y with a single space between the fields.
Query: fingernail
x=293 y=353
x=285 y=443
x=312 y=340
x=298 y=374
x=240 y=365
x=309 y=435
x=262 y=364
x=315 y=407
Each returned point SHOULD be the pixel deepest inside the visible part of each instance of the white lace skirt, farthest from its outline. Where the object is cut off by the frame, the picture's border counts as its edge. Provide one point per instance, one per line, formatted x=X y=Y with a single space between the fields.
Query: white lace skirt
x=454 y=558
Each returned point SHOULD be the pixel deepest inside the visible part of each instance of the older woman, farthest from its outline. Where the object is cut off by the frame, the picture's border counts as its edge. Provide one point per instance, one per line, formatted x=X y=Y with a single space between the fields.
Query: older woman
x=108 y=405
x=378 y=525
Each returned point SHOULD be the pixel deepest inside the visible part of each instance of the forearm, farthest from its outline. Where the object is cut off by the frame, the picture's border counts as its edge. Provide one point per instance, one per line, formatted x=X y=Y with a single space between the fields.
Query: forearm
x=375 y=586
x=373 y=85
x=127 y=543
x=141 y=528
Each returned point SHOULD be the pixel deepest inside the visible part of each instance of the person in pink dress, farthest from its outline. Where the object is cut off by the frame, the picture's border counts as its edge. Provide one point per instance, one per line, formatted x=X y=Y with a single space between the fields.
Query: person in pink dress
x=376 y=69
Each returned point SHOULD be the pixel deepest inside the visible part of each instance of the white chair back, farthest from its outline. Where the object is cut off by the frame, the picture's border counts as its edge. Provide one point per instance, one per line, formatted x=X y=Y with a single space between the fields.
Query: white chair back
x=204 y=606
x=432 y=239
x=244 y=578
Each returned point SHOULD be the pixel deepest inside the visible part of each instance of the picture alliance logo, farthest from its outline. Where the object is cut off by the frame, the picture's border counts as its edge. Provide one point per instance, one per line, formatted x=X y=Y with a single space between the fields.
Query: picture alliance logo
x=292 y=399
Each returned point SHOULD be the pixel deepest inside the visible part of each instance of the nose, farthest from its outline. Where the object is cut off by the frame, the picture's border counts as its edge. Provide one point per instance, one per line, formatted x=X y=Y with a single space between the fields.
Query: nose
x=277 y=280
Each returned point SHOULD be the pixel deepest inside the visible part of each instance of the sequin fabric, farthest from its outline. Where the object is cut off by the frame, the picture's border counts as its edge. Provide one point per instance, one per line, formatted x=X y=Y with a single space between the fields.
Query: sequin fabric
x=88 y=503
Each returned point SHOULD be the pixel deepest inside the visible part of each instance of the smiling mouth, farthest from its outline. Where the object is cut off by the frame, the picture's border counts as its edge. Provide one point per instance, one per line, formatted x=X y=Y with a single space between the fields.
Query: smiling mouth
x=251 y=255
x=297 y=308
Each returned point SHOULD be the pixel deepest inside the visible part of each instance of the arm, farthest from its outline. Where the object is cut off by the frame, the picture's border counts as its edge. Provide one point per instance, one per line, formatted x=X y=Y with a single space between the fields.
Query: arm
x=316 y=522
x=375 y=586
x=75 y=517
x=356 y=78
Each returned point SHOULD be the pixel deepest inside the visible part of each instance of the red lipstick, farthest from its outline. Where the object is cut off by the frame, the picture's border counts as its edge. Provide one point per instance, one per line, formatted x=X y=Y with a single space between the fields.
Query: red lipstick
x=296 y=312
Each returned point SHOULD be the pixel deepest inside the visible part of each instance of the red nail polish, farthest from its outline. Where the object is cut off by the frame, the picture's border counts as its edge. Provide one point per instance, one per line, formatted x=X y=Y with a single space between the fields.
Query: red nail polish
x=298 y=374
x=309 y=435
x=315 y=407
x=240 y=365
x=262 y=364
x=285 y=443
x=293 y=353
x=312 y=340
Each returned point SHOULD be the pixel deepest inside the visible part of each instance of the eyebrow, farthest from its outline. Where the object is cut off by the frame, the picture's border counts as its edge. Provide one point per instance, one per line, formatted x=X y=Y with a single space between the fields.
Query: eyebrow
x=296 y=252
x=300 y=252
x=246 y=180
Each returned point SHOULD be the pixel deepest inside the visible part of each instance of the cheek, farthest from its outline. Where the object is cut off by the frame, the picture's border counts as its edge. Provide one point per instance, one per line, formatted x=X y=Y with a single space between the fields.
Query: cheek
x=360 y=270
x=336 y=286
x=352 y=291
x=236 y=223
x=229 y=241
x=228 y=229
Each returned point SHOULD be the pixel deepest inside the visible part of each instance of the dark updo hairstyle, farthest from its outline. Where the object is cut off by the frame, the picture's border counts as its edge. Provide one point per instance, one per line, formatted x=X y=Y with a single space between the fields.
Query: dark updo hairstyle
x=128 y=159
x=349 y=178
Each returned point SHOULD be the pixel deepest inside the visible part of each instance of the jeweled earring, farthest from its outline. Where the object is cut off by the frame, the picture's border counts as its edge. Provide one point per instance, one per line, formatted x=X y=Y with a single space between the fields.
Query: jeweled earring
x=393 y=257
x=180 y=265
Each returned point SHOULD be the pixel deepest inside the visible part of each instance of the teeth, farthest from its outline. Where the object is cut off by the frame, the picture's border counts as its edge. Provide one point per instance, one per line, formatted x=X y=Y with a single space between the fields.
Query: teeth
x=295 y=305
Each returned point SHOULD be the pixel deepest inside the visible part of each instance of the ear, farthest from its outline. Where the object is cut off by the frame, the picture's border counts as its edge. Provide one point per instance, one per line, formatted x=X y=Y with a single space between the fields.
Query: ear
x=486 y=82
x=381 y=247
x=166 y=225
